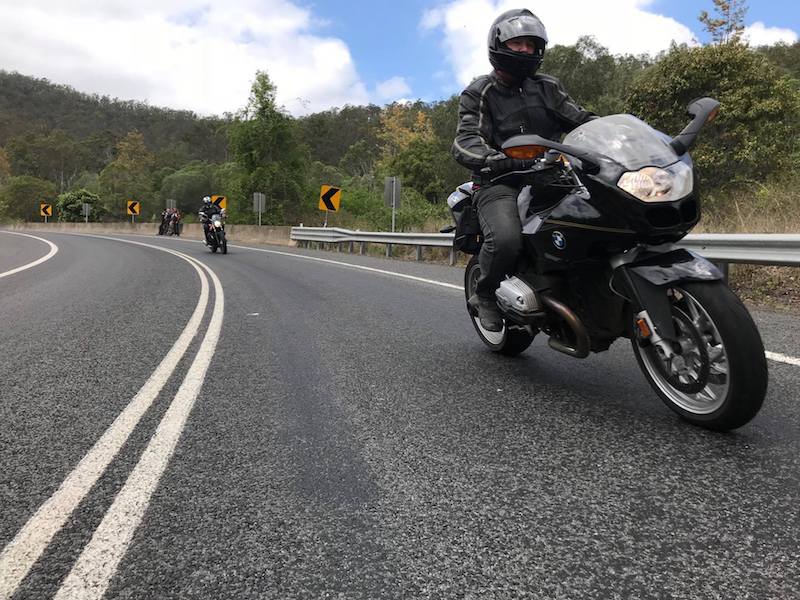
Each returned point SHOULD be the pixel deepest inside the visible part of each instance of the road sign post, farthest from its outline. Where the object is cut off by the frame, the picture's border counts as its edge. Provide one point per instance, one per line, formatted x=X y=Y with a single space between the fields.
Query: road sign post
x=330 y=198
x=134 y=206
x=391 y=195
x=86 y=208
x=259 y=204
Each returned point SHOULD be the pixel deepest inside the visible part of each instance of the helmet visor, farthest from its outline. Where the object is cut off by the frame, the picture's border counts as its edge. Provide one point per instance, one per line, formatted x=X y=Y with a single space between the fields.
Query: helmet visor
x=521 y=26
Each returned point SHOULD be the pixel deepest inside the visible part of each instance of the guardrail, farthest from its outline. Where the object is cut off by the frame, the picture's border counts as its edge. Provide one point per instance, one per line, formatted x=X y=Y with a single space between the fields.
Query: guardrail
x=722 y=248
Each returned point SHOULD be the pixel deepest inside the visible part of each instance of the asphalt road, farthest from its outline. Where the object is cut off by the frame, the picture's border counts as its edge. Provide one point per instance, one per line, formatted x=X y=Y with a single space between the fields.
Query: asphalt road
x=352 y=438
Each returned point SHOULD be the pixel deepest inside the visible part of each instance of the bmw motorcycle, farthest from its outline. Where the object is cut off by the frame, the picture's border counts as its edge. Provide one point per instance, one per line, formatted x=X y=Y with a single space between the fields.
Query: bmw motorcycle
x=601 y=212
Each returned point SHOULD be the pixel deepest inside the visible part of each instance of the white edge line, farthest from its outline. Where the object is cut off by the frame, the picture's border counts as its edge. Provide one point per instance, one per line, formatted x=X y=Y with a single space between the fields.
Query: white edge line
x=32 y=540
x=97 y=564
x=789 y=360
x=48 y=256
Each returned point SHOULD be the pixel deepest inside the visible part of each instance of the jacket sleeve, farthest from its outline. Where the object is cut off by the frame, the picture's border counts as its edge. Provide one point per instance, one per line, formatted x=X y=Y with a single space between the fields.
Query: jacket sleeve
x=470 y=148
x=569 y=113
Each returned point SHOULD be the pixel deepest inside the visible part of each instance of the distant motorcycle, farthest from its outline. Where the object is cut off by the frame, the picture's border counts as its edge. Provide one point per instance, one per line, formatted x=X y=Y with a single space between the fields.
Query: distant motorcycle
x=215 y=231
x=600 y=213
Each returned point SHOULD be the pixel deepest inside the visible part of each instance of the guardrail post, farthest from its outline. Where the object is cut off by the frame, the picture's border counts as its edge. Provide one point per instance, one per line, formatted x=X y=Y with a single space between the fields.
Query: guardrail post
x=725 y=268
x=452 y=257
x=351 y=247
x=388 y=250
x=363 y=248
x=419 y=252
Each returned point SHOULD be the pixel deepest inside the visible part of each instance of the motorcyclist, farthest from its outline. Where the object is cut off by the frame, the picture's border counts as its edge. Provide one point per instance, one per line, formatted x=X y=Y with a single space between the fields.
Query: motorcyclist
x=207 y=210
x=512 y=100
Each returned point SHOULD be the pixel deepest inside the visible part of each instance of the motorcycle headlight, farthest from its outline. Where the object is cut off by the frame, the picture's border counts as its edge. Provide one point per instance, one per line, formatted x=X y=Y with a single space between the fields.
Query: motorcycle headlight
x=217 y=224
x=652 y=184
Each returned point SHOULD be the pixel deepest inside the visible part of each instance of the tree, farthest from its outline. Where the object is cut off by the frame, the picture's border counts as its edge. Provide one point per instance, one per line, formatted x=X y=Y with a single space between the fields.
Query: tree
x=263 y=142
x=128 y=177
x=5 y=166
x=70 y=206
x=20 y=197
x=187 y=187
x=759 y=121
x=729 y=25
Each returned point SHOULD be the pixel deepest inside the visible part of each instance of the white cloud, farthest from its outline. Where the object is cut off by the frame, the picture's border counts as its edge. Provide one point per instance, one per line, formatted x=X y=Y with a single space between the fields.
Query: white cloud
x=184 y=54
x=622 y=26
x=392 y=89
x=759 y=34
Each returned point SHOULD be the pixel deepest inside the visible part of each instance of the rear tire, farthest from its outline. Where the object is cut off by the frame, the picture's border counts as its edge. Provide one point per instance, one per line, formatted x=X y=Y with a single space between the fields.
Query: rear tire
x=720 y=378
x=509 y=341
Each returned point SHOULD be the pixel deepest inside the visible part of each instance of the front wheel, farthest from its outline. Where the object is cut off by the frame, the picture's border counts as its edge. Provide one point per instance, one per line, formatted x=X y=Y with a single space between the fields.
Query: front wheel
x=717 y=377
x=224 y=243
x=509 y=341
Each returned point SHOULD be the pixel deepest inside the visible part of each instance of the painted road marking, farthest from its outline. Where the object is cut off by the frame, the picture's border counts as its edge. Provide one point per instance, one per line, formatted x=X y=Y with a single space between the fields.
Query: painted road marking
x=99 y=560
x=48 y=256
x=789 y=360
x=28 y=545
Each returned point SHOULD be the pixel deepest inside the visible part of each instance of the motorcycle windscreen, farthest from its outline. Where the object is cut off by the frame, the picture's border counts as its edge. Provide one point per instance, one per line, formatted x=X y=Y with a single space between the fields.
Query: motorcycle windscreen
x=625 y=139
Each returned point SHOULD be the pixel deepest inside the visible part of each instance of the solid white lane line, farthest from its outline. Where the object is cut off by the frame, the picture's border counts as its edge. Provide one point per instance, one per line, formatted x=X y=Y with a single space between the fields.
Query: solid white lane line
x=48 y=256
x=352 y=266
x=28 y=545
x=99 y=560
x=789 y=360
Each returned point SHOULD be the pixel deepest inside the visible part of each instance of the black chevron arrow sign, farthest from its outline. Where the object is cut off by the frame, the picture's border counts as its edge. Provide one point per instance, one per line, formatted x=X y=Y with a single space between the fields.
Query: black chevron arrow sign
x=328 y=199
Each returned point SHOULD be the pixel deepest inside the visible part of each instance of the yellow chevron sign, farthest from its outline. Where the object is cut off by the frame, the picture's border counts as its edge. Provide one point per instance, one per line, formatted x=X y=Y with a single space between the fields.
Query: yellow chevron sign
x=134 y=207
x=329 y=198
x=45 y=209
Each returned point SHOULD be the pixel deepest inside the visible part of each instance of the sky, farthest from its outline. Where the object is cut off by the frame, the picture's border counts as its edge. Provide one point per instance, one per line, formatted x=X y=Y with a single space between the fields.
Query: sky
x=202 y=55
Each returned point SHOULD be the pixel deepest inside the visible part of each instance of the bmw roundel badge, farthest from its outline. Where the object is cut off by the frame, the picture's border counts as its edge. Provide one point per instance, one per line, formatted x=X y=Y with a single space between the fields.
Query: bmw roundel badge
x=559 y=241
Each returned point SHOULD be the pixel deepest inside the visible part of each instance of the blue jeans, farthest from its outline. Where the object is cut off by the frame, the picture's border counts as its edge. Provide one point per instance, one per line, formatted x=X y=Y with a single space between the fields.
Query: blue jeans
x=502 y=236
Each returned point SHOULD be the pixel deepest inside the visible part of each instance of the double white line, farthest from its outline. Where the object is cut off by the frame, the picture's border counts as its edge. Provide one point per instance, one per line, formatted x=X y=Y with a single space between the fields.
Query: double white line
x=98 y=562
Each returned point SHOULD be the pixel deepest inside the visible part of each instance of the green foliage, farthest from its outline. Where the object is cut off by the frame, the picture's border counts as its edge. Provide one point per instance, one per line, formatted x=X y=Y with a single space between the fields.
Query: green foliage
x=592 y=76
x=264 y=144
x=785 y=56
x=20 y=197
x=70 y=206
x=187 y=187
x=756 y=131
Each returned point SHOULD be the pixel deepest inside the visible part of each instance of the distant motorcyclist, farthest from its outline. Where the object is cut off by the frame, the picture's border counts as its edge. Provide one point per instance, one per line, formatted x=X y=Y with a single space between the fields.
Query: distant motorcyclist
x=512 y=100
x=207 y=210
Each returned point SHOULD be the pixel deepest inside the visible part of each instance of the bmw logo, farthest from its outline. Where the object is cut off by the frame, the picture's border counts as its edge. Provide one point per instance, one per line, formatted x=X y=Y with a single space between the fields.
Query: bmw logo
x=559 y=241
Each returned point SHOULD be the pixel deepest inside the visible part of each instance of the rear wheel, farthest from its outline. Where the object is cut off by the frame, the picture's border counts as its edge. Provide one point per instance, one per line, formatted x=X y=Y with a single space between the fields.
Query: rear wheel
x=717 y=377
x=511 y=339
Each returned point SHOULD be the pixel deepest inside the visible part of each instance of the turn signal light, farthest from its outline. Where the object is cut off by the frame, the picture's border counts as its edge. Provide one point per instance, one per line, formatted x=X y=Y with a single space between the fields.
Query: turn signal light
x=525 y=152
x=643 y=328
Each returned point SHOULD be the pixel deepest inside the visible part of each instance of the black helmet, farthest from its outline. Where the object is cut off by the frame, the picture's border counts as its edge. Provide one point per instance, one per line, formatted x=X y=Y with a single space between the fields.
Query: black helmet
x=519 y=22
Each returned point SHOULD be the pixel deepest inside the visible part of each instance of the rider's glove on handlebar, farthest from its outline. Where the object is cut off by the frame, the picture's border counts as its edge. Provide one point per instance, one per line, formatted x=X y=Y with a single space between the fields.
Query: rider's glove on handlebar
x=505 y=165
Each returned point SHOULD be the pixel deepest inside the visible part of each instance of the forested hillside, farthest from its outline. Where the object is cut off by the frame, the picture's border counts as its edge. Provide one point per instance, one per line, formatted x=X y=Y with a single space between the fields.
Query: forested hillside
x=59 y=145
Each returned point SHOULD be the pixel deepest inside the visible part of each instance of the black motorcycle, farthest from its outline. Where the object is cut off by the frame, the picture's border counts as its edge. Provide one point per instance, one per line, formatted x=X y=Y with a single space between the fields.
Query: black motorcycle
x=215 y=231
x=600 y=214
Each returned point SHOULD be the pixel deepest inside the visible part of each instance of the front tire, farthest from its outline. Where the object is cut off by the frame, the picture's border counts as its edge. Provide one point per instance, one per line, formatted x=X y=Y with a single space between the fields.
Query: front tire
x=719 y=378
x=509 y=341
x=224 y=243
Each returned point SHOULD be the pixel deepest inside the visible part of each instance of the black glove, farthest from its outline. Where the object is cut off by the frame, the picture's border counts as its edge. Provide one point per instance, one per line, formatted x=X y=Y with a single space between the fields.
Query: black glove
x=505 y=165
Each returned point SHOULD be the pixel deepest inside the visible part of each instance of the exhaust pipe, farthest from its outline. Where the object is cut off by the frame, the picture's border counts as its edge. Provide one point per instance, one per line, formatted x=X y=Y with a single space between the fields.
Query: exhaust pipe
x=582 y=343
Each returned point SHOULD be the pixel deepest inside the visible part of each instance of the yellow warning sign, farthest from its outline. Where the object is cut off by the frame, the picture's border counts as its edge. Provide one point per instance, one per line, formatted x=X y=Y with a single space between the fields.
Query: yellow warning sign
x=45 y=209
x=329 y=198
x=134 y=207
x=220 y=201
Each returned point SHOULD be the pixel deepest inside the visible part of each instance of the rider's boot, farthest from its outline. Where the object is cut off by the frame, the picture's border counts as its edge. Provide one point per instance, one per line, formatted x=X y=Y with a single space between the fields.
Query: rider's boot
x=488 y=313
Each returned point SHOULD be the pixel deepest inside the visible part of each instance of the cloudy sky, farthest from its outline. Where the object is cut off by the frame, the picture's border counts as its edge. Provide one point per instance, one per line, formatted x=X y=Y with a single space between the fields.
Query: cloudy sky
x=202 y=55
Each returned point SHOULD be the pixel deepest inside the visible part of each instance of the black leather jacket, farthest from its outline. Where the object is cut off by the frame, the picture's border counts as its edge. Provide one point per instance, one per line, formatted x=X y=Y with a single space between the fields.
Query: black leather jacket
x=206 y=212
x=490 y=111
